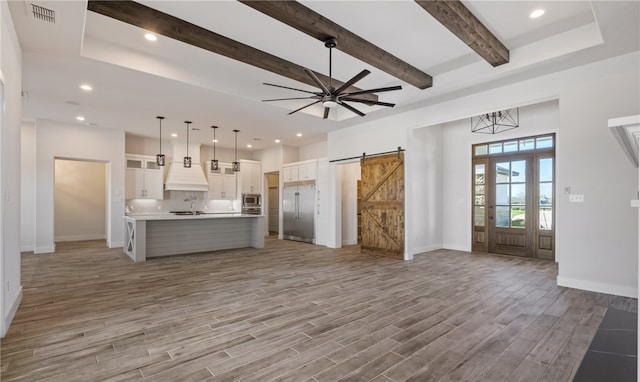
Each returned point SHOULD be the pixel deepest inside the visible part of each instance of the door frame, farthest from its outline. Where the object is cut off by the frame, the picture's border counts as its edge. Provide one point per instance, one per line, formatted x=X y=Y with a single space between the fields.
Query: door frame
x=481 y=155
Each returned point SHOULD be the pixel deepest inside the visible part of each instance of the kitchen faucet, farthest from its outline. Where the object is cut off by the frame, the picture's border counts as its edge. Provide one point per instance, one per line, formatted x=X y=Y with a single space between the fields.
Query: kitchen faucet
x=191 y=199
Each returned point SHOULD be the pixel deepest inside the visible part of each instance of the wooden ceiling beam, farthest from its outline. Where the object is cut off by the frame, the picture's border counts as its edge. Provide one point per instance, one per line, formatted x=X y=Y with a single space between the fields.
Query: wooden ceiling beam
x=315 y=25
x=164 y=24
x=461 y=22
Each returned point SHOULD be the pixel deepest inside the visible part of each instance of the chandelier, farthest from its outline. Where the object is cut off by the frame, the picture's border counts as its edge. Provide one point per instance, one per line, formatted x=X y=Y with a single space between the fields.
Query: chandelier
x=495 y=122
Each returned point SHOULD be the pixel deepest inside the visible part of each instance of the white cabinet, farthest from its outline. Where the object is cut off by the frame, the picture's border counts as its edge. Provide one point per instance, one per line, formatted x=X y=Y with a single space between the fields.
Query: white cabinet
x=222 y=182
x=143 y=178
x=307 y=171
x=250 y=177
x=299 y=171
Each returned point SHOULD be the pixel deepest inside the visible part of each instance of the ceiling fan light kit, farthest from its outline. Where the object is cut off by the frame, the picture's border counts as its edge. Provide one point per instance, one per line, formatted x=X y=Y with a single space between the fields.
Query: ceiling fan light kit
x=329 y=96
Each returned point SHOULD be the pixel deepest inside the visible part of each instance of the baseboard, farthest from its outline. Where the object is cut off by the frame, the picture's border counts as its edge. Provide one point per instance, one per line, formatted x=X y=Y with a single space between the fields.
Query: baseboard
x=80 y=237
x=457 y=247
x=617 y=290
x=11 y=313
x=26 y=248
x=49 y=249
x=423 y=249
x=115 y=244
x=350 y=242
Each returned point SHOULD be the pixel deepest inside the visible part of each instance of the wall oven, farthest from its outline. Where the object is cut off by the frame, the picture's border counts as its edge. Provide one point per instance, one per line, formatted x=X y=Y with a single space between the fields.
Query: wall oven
x=252 y=204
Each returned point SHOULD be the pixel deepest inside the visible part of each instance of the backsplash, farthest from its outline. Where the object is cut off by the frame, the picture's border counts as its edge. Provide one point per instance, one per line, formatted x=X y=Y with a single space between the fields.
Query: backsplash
x=180 y=201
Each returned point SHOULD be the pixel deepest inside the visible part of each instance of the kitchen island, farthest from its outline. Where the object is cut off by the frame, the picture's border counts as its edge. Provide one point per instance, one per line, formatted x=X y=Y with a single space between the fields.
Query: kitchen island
x=152 y=235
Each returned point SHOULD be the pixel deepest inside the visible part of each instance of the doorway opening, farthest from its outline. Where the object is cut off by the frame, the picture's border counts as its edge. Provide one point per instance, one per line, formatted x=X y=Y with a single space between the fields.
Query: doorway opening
x=350 y=175
x=513 y=209
x=80 y=203
x=273 y=202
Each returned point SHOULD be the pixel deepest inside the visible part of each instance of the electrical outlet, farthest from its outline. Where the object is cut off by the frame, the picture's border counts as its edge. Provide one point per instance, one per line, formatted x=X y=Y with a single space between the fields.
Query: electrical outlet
x=576 y=198
x=567 y=190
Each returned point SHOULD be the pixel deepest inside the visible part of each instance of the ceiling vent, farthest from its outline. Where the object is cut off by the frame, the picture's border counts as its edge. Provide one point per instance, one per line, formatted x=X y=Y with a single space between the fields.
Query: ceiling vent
x=44 y=14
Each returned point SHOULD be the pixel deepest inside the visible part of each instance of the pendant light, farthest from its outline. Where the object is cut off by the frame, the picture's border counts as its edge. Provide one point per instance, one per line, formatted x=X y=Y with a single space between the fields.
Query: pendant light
x=160 y=157
x=187 y=160
x=214 y=161
x=236 y=164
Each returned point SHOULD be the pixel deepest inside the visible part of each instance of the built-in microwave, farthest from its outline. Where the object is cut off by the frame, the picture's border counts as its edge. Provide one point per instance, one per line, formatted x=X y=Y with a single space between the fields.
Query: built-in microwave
x=251 y=200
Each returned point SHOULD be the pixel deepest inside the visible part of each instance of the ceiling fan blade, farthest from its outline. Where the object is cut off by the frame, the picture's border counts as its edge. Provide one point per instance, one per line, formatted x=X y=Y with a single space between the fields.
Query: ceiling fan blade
x=352 y=81
x=289 y=99
x=304 y=107
x=317 y=81
x=368 y=102
x=378 y=90
x=326 y=113
x=353 y=109
x=286 y=87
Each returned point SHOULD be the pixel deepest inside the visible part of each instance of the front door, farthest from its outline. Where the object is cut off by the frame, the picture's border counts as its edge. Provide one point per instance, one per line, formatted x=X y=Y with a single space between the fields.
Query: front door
x=512 y=194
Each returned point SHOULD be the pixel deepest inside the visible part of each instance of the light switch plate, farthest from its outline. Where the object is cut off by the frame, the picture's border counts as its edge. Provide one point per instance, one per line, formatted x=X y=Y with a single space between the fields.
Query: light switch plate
x=576 y=198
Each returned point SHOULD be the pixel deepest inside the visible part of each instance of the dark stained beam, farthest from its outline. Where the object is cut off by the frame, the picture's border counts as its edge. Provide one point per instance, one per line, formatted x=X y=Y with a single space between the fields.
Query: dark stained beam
x=164 y=24
x=315 y=25
x=461 y=22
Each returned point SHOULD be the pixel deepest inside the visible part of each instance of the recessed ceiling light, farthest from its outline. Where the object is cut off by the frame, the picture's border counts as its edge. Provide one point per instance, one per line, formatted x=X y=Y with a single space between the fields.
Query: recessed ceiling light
x=214 y=140
x=277 y=141
x=249 y=146
x=536 y=13
x=150 y=37
x=299 y=135
x=174 y=135
x=86 y=87
x=80 y=118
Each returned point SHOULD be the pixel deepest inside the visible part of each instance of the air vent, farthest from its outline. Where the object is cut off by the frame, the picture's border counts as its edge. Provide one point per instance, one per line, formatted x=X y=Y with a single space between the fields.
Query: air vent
x=44 y=14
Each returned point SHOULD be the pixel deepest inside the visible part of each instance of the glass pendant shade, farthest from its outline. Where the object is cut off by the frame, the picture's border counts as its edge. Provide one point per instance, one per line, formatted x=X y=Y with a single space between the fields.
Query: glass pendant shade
x=187 y=160
x=236 y=164
x=214 y=161
x=160 y=157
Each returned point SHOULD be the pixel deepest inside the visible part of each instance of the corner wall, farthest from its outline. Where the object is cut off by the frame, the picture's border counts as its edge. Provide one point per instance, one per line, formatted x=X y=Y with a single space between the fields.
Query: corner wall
x=11 y=73
x=70 y=141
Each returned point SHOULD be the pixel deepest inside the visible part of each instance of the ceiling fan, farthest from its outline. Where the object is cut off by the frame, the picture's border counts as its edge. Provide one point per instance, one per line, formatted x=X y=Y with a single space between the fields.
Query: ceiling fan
x=330 y=96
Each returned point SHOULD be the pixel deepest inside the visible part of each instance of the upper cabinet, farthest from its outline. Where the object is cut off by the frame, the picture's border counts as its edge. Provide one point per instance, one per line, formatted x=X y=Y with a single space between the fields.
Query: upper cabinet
x=143 y=178
x=222 y=182
x=299 y=171
x=250 y=177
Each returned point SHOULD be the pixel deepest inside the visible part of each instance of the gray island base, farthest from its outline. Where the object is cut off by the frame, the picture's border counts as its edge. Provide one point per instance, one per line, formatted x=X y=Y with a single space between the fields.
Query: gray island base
x=155 y=235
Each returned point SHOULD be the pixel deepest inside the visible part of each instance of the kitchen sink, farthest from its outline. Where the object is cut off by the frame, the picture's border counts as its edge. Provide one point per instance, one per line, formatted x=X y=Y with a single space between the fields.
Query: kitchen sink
x=187 y=212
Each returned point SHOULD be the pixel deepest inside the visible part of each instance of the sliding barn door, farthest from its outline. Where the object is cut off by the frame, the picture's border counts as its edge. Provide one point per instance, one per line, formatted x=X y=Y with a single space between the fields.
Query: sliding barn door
x=382 y=205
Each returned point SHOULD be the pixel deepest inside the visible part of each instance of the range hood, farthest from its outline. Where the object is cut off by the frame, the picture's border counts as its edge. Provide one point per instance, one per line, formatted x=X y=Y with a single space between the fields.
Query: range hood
x=180 y=178
x=627 y=131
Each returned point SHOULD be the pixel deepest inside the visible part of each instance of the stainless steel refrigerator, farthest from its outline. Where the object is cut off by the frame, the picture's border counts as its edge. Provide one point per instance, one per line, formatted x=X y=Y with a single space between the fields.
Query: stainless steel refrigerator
x=298 y=201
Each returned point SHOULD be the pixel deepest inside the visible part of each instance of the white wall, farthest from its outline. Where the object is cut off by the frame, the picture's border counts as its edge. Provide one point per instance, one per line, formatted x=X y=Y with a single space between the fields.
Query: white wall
x=11 y=73
x=270 y=158
x=79 y=142
x=423 y=191
x=350 y=174
x=313 y=151
x=457 y=139
x=597 y=241
x=80 y=200
x=27 y=186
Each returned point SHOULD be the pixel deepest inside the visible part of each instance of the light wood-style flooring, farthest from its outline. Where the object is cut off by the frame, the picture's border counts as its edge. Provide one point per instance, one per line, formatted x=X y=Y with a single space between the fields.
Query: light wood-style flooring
x=296 y=312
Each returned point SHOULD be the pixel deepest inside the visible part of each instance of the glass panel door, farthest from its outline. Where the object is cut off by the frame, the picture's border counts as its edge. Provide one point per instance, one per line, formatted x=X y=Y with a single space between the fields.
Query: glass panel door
x=510 y=205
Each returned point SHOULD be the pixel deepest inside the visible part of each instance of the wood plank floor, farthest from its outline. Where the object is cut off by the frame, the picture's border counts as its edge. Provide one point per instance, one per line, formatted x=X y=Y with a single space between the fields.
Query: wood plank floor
x=296 y=312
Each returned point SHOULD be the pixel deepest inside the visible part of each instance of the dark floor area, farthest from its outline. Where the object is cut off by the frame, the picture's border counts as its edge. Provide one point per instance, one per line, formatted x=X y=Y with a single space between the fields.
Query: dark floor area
x=612 y=355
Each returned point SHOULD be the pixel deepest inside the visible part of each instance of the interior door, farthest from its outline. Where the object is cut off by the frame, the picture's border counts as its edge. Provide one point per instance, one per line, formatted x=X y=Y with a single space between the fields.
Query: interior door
x=382 y=205
x=510 y=202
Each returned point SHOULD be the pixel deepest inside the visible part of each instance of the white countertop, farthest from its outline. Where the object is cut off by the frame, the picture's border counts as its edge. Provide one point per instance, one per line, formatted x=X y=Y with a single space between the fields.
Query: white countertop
x=170 y=216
